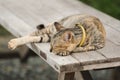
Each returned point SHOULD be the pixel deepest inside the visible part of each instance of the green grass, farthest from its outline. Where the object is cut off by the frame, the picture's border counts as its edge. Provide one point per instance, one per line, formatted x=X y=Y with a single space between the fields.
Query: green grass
x=111 y=7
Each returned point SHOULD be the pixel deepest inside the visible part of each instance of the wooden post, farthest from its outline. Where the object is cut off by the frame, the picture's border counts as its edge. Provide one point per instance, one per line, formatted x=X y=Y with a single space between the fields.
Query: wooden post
x=66 y=76
x=78 y=76
x=83 y=75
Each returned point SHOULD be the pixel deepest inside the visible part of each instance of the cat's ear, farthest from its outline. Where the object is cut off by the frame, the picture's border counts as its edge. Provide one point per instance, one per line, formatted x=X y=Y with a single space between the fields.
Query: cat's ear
x=58 y=26
x=41 y=26
x=68 y=36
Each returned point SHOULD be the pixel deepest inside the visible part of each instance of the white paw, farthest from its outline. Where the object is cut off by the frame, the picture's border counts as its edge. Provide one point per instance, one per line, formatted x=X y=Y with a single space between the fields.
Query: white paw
x=64 y=53
x=12 y=44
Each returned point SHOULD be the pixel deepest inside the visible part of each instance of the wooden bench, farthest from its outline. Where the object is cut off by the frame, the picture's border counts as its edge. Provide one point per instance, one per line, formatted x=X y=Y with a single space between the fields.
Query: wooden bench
x=21 y=16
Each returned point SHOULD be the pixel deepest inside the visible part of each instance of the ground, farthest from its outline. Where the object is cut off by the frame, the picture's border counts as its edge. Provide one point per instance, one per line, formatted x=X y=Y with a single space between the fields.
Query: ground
x=35 y=69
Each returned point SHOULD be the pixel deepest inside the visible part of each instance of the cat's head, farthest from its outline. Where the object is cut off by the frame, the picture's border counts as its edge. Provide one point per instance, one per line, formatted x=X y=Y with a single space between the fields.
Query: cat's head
x=63 y=40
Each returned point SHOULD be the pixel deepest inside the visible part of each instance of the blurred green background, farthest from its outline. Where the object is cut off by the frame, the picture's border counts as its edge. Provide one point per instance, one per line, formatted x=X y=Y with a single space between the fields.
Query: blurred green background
x=111 y=7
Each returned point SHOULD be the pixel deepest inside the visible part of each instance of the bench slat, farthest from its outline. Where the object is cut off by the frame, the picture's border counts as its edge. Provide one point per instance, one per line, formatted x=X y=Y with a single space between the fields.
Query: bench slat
x=112 y=35
x=89 y=58
x=111 y=51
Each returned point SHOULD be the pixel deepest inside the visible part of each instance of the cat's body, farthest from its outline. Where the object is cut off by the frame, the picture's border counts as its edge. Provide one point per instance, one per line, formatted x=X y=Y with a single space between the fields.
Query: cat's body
x=65 y=36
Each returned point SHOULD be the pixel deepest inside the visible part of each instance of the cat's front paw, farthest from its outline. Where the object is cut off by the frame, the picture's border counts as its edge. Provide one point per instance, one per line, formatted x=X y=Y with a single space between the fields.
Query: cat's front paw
x=63 y=53
x=12 y=44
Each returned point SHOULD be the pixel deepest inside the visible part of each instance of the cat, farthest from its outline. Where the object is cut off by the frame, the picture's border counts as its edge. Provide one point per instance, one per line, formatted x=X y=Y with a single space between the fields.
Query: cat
x=75 y=33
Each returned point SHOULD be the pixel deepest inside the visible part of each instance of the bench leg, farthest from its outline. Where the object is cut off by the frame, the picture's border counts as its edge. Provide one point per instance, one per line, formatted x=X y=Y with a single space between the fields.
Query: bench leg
x=66 y=76
x=78 y=76
x=83 y=75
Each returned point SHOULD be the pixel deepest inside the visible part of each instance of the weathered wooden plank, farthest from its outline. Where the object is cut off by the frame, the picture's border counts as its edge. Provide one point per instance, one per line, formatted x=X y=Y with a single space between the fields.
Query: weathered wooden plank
x=78 y=76
x=30 y=13
x=111 y=51
x=20 y=28
x=10 y=22
x=69 y=76
x=61 y=76
x=112 y=35
x=100 y=66
x=90 y=58
x=66 y=76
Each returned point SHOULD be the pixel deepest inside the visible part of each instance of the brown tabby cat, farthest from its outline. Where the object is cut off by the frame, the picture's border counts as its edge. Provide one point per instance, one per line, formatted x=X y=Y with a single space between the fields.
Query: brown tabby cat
x=76 y=33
